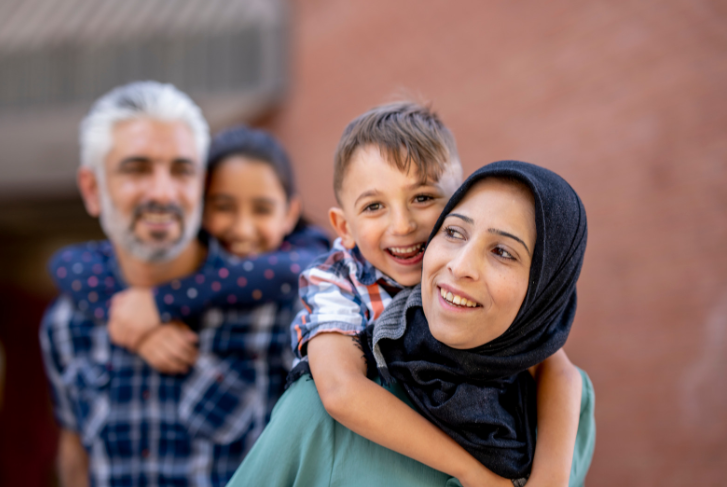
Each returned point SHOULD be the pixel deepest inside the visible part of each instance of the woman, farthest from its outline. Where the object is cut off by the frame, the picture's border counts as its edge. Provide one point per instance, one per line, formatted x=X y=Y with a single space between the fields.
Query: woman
x=511 y=242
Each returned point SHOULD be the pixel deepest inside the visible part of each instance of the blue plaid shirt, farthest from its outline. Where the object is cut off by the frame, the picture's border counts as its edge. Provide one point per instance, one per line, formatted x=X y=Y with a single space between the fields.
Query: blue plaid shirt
x=341 y=293
x=141 y=427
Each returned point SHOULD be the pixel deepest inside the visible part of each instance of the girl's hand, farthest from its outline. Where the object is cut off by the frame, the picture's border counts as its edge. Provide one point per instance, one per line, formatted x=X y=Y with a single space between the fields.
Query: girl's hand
x=170 y=348
x=133 y=314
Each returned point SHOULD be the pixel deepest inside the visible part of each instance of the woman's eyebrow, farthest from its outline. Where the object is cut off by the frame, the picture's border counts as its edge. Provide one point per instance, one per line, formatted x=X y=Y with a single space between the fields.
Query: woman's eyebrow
x=462 y=217
x=509 y=235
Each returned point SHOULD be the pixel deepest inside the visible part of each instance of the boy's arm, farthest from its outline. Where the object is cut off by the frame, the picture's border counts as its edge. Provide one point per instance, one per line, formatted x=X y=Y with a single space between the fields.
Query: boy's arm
x=559 y=399
x=339 y=370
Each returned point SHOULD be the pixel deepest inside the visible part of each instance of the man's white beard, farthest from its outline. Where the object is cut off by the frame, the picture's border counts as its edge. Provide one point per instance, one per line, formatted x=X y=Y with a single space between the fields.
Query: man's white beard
x=120 y=230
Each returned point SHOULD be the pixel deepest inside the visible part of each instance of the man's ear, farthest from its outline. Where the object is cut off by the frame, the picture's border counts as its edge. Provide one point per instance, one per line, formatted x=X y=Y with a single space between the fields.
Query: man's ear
x=340 y=225
x=88 y=186
x=294 y=208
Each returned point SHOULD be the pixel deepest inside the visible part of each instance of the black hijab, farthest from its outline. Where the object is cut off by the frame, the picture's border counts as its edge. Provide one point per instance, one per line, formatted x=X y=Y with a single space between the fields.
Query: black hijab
x=484 y=397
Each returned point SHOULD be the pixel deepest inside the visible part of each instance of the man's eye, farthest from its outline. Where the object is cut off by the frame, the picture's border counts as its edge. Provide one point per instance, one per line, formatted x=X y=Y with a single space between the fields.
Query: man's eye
x=500 y=252
x=134 y=168
x=183 y=170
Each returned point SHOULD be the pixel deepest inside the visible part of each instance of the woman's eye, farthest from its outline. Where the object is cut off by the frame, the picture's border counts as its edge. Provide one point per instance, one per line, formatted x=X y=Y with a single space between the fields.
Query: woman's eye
x=453 y=233
x=223 y=208
x=500 y=252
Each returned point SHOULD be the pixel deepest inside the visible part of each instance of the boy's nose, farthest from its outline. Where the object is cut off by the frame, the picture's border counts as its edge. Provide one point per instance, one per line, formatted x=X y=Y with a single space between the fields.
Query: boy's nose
x=403 y=223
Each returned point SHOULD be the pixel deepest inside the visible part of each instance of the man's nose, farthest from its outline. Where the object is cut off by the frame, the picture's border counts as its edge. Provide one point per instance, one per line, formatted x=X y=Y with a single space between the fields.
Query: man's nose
x=162 y=188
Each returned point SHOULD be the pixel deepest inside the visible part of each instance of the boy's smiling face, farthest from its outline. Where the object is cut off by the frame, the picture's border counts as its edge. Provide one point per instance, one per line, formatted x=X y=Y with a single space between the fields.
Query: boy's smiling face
x=389 y=214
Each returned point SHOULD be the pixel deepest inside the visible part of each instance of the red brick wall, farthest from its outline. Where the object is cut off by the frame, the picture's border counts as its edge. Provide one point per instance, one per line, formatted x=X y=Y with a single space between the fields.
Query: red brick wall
x=626 y=100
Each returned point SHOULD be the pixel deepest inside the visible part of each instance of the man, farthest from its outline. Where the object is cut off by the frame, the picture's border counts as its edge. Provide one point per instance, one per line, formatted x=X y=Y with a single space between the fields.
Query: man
x=123 y=422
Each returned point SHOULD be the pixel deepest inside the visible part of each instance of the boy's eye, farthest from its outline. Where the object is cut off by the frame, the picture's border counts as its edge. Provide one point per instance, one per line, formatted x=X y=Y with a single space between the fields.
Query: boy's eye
x=500 y=252
x=423 y=198
x=373 y=207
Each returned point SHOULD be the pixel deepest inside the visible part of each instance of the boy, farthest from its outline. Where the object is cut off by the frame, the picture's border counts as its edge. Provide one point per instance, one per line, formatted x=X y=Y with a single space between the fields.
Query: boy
x=395 y=168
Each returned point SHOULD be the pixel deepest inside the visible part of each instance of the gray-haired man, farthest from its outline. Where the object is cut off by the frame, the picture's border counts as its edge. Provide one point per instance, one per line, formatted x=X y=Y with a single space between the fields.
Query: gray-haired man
x=123 y=422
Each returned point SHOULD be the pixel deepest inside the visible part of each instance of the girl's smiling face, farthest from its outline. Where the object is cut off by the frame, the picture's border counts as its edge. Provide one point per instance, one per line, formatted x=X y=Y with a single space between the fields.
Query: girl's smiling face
x=476 y=269
x=246 y=207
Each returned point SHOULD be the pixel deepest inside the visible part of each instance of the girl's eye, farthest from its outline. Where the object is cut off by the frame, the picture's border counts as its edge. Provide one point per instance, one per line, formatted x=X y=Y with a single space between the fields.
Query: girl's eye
x=373 y=207
x=500 y=252
x=423 y=198
x=453 y=233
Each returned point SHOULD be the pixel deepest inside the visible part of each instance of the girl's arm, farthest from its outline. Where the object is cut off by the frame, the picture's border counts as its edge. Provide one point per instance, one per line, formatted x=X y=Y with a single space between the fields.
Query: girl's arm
x=339 y=371
x=234 y=282
x=559 y=400
x=83 y=273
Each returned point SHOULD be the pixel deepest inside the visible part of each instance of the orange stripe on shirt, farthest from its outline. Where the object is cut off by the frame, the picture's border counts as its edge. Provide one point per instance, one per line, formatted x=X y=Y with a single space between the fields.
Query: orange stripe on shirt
x=375 y=297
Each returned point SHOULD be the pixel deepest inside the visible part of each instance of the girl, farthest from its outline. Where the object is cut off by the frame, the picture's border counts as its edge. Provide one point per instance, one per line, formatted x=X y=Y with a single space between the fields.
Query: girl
x=252 y=208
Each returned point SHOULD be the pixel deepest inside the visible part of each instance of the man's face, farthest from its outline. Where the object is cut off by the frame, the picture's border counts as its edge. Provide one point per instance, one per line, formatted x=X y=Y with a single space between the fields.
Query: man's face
x=151 y=188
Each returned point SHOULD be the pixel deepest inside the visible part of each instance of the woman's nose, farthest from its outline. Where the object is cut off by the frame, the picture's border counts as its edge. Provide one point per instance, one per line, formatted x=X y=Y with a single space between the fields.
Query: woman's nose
x=466 y=263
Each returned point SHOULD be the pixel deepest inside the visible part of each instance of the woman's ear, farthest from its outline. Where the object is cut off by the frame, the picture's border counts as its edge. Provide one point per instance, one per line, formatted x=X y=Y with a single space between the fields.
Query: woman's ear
x=340 y=225
x=88 y=186
x=293 y=215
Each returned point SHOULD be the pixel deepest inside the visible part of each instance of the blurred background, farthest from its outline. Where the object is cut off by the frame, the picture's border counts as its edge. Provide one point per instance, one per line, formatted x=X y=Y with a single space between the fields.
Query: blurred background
x=626 y=100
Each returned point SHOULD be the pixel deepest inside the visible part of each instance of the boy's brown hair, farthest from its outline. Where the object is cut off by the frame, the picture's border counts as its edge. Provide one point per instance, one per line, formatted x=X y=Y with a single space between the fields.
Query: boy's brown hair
x=407 y=134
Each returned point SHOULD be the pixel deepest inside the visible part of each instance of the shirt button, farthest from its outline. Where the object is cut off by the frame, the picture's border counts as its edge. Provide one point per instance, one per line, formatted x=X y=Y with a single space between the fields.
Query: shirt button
x=145 y=453
x=145 y=395
x=219 y=378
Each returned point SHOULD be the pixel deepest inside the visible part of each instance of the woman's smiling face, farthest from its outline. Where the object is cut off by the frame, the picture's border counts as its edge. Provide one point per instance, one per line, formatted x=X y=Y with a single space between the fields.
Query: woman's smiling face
x=476 y=269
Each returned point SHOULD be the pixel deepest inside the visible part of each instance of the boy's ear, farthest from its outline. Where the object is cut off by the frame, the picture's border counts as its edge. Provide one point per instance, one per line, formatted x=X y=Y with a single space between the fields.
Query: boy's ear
x=340 y=225
x=294 y=209
x=88 y=186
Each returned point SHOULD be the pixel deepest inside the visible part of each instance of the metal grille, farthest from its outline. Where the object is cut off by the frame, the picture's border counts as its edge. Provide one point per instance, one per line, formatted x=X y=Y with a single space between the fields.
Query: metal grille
x=217 y=62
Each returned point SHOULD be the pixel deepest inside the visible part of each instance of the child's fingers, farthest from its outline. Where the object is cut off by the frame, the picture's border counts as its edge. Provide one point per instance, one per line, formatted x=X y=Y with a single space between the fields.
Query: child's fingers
x=178 y=347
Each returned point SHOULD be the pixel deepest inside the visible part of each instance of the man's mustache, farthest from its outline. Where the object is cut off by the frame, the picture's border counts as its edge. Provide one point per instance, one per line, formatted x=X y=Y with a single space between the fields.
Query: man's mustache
x=155 y=207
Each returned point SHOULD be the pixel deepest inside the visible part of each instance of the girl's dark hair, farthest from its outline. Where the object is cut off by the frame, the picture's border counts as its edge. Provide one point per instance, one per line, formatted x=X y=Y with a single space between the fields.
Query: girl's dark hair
x=259 y=145
x=254 y=144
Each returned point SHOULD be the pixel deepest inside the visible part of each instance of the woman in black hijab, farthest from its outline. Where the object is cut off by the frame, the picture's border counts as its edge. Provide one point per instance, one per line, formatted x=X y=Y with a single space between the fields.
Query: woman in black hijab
x=497 y=298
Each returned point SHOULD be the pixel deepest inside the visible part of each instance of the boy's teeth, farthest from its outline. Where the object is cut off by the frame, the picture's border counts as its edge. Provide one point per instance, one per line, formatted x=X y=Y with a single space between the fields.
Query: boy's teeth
x=405 y=250
x=458 y=300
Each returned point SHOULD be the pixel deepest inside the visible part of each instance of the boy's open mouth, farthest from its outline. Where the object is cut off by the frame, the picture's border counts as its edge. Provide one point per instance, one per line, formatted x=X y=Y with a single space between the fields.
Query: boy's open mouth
x=412 y=254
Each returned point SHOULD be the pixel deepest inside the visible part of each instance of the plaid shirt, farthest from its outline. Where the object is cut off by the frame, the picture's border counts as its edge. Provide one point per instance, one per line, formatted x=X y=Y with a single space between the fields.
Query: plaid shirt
x=141 y=427
x=341 y=292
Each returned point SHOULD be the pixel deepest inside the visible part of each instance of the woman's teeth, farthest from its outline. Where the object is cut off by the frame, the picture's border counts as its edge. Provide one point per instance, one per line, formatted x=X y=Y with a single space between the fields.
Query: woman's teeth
x=458 y=300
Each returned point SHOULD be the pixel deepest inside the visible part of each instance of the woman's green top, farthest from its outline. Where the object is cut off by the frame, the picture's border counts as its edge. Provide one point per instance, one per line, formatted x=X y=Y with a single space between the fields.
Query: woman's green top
x=304 y=447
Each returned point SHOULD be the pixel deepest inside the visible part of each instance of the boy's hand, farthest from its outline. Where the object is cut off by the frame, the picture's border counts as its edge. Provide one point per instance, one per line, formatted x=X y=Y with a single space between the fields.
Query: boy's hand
x=481 y=476
x=170 y=348
x=133 y=314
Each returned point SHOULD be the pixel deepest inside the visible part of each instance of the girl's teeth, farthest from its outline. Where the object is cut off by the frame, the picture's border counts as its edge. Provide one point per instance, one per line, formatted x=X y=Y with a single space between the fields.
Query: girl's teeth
x=457 y=300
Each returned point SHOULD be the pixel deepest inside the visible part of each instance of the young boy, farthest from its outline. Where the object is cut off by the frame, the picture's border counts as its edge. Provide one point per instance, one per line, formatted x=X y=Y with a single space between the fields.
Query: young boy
x=395 y=168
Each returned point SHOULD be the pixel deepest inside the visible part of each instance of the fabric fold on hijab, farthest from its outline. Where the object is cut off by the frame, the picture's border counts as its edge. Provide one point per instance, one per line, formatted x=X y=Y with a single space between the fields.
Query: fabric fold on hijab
x=484 y=397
